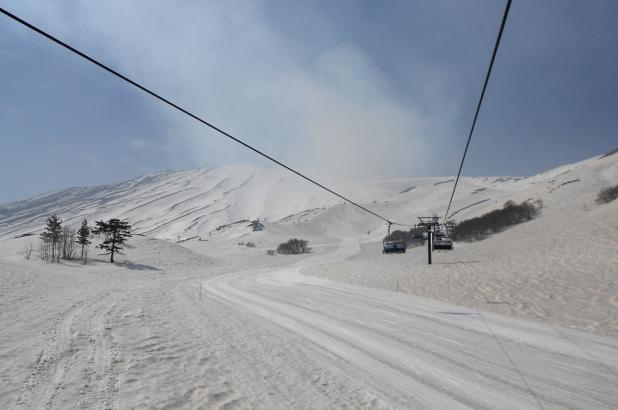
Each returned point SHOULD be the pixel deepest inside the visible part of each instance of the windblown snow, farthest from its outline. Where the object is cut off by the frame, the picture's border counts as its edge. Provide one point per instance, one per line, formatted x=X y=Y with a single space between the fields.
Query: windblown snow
x=190 y=318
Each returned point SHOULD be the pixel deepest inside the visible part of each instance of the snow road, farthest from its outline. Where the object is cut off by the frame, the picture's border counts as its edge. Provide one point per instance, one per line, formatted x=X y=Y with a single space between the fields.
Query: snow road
x=419 y=353
x=141 y=335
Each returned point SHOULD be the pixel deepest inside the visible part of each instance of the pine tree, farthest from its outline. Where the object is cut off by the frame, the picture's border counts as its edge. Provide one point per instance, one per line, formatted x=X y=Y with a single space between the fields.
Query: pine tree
x=51 y=239
x=116 y=233
x=83 y=239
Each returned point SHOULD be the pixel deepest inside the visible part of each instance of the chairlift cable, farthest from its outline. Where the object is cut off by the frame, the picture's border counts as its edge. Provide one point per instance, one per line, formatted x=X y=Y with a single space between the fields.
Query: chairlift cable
x=478 y=107
x=184 y=111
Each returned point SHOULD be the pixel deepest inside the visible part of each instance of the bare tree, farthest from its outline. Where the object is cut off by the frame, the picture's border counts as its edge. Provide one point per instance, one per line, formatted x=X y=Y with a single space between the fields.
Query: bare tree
x=68 y=243
x=44 y=250
x=28 y=251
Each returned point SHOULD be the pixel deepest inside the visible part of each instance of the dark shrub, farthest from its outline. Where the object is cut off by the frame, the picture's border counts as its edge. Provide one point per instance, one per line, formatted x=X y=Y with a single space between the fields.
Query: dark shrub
x=413 y=237
x=607 y=195
x=496 y=221
x=294 y=247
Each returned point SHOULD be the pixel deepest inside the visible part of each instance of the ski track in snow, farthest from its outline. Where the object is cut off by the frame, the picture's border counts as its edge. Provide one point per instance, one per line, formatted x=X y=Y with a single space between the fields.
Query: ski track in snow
x=416 y=353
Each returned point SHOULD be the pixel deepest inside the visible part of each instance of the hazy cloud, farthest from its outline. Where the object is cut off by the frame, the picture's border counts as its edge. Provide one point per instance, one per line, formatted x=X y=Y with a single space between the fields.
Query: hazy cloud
x=332 y=111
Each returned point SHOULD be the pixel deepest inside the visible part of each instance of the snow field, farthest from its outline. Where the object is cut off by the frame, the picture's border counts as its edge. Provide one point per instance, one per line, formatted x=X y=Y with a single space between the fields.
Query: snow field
x=262 y=335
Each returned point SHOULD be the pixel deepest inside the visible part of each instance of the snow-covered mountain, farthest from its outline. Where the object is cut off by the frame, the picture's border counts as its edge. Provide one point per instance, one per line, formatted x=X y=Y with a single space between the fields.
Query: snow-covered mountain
x=203 y=202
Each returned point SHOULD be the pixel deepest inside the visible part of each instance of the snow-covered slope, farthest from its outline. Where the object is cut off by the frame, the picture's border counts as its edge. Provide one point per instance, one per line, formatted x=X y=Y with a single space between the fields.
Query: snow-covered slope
x=215 y=324
x=173 y=204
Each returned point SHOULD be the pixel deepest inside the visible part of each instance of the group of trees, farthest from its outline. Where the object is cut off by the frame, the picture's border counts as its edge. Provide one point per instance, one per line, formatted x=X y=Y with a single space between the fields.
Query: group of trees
x=496 y=221
x=294 y=247
x=59 y=242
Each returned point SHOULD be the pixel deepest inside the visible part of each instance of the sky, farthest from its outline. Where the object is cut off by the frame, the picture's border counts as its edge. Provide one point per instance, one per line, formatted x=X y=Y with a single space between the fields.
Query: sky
x=354 y=88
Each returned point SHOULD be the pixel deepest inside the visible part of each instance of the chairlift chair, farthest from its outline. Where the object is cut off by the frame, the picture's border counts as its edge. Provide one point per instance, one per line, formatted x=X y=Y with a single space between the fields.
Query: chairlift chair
x=443 y=243
x=394 y=247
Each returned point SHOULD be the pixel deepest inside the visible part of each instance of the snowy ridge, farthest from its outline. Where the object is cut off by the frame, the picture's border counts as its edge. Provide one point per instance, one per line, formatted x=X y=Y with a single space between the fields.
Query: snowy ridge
x=173 y=204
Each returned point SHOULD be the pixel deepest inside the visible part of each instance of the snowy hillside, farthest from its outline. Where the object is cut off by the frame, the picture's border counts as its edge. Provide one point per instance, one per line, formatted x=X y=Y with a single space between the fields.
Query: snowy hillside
x=173 y=204
x=526 y=319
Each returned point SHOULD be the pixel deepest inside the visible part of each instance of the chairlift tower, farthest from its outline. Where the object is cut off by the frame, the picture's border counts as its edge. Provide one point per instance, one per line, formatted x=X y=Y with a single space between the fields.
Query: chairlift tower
x=431 y=223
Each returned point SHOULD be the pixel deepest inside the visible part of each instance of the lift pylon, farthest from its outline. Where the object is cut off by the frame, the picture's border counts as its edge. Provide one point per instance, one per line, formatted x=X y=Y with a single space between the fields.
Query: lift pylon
x=431 y=223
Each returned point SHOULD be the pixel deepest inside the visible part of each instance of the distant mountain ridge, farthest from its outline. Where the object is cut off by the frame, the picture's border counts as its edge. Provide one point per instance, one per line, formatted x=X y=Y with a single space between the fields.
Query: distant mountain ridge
x=181 y=204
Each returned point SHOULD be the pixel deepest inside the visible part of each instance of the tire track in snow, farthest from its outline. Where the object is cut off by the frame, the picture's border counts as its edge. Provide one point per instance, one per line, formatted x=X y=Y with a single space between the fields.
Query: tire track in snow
x=389 y=365
x=283 y=369
x=74 y=350
x=319 y=316
x=465 y=362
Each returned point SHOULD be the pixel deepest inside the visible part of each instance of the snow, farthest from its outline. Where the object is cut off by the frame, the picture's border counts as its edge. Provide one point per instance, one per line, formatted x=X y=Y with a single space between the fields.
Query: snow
x=545 y=269
x=525 y=319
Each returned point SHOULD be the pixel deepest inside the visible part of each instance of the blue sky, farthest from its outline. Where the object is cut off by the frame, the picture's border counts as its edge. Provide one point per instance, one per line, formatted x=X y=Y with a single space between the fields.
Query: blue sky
x=362 y=89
